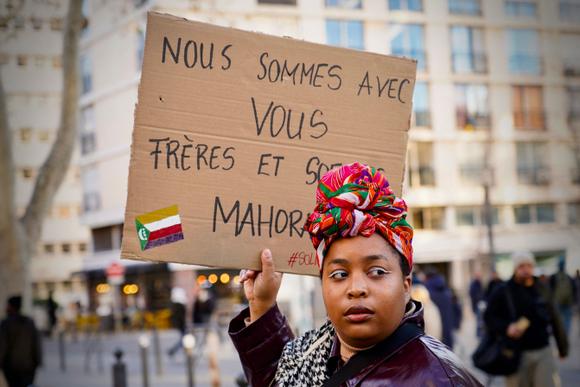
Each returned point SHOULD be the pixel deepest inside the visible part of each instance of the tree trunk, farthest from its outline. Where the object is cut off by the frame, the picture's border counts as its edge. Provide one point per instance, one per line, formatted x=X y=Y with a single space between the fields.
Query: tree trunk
x=19 y=237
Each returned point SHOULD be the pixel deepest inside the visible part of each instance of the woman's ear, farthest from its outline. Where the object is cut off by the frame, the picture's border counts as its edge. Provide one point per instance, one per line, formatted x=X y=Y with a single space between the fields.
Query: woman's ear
x=407 y=287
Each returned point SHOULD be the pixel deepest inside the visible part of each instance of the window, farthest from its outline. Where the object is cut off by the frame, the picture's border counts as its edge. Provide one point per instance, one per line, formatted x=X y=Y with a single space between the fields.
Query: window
x=535 y=213
x=85 y=13
x=56 y=24
x=88 y=136
x=475 y=216
x=407 y=40
x=82 y=247
x=531 y=165
x=3 y=23
x=573 y=213
x=25 y=134
x=27 y=173
x=86 y=74
x=471 y=106
x=468 y=50
x=570 y=54
x=140 y=47
x=471 y=156
x=570 y=10
x=4 y=58
x=524 y=51
x=102 y=239
x=19 y=22
x=421 y=171
x=348 y=4
x=107 y=238
x=22 y=60
x=44 y=135
x=277 y=2
x=345 y=33
x=465 y=7
x=406 y=5
x=421 y=111
x=90 y=183
x=527 y=8
x=430 y=218
x=49 y=248
x=66 y=248
x=36 y=23
x=574 y=161
x=528 y=105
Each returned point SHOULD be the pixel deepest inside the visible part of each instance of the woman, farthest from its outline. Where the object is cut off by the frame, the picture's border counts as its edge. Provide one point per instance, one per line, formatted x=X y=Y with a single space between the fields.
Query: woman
x=373 y=335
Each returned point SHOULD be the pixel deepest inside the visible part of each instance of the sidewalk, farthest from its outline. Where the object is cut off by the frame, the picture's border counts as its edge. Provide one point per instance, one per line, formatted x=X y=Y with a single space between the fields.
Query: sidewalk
x=174 y=369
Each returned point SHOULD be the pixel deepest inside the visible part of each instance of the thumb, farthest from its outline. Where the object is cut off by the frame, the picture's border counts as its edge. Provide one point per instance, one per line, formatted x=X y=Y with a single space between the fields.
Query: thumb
x=267 y=263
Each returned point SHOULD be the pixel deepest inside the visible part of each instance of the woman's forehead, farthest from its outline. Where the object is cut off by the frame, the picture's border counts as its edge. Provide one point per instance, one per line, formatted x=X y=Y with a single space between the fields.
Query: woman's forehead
x=359 y=247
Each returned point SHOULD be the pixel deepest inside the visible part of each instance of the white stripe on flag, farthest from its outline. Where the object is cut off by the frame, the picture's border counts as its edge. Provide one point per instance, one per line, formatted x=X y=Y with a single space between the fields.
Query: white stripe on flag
x=163 y=223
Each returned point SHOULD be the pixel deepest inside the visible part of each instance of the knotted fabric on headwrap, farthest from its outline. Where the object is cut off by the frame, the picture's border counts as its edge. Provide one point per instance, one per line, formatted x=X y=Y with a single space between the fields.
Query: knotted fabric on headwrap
x=356 y=199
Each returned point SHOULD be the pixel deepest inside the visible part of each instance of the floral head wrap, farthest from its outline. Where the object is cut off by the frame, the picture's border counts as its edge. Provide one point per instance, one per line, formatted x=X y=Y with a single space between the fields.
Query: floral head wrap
x=356 y=199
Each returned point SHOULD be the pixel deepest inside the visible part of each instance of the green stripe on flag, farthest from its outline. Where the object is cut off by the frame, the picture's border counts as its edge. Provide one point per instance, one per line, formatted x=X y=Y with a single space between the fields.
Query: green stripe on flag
x=142 y=234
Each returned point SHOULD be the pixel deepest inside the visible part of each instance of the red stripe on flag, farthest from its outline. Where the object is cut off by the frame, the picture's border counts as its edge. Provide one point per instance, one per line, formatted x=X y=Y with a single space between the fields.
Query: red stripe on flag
x=165 y=231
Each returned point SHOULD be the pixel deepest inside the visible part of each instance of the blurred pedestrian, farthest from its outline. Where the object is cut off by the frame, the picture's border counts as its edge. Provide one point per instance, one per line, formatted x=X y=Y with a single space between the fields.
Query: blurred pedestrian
x=442 y=297
x=457 y=310
x=494 y=281
x=374 y=331
x=203 y=308
x=430 y=311
x=535 y=317
x=476 y=296
x=178 y=302
x=564 y=294
x=51 y=309
x=20 y=346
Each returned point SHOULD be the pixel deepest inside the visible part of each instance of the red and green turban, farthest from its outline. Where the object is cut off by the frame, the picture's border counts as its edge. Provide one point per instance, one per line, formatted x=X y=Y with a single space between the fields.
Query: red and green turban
x=353 y=200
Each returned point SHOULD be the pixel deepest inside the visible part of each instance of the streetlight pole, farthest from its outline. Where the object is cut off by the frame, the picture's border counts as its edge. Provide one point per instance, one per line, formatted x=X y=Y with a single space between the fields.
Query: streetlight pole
x=487 y=207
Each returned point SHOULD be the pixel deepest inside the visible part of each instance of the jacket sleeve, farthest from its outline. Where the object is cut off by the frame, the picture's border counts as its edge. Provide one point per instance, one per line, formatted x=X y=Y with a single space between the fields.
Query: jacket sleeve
x=496 y=315
x=260 y=344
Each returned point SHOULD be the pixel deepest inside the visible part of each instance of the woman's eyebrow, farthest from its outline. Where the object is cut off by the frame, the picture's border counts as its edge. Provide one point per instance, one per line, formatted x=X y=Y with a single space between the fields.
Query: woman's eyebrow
x=376 y=257
x=339 y=261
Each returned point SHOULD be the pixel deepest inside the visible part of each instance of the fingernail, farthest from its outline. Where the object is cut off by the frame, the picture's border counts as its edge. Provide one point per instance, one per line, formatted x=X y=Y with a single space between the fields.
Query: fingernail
x=267 y=253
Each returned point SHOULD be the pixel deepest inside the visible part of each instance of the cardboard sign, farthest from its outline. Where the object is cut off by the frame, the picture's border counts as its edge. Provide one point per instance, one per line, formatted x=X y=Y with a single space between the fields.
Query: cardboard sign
x=233 y=130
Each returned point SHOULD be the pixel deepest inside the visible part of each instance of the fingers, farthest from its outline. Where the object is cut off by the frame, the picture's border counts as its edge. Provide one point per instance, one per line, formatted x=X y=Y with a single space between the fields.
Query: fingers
x=267 y=263
x=246 y=275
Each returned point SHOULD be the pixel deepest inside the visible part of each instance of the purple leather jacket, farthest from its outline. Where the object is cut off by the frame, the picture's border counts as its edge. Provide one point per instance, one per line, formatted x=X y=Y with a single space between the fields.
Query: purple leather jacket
x=423 y=361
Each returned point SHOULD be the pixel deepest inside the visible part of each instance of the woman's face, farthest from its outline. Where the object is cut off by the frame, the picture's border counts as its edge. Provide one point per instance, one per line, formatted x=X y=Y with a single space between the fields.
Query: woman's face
x=364 y=290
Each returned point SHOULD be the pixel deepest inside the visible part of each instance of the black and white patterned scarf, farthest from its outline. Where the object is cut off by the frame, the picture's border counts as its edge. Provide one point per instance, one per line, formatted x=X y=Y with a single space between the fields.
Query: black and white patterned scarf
x=303 y=361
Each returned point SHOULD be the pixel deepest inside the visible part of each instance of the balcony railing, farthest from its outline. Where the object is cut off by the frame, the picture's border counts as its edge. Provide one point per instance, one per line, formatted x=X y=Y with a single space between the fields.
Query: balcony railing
x=465 y=7
x=525 y=64
x=469 y=62
x=529 y=119
x=469 y=121
x=534 y=175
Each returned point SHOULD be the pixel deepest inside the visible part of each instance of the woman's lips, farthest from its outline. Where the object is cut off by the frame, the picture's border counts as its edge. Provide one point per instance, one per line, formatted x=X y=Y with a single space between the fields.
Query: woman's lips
x=358 y=314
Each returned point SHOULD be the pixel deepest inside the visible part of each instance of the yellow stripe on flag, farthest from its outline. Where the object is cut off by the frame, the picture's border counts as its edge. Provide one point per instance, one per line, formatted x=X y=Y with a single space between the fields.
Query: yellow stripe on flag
x=157 y=215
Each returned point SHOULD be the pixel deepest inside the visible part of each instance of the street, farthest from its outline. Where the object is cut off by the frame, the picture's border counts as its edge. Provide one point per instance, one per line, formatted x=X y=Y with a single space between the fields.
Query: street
x=99 y=374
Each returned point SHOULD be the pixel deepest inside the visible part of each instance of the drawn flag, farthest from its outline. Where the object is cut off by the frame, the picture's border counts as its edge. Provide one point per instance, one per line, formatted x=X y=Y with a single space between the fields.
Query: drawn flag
x=159 y=227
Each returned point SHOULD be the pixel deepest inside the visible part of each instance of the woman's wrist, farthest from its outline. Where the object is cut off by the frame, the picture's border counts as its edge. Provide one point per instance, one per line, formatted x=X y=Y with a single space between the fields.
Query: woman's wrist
x=258 y=309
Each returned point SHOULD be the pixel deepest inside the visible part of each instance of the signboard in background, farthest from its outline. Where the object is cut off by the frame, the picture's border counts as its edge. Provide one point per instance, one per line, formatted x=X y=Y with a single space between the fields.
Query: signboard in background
x=233 y=130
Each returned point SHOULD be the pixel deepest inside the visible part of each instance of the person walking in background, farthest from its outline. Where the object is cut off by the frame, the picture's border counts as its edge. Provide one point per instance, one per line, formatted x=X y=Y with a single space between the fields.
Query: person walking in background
x=564 y=294
x=203 y=307
x=527 y=319
x=442 y=297
x=20 y=346
x=51 y=309
x=178 y=302
x=494 y=281
x=431 y=313
x=476 y=296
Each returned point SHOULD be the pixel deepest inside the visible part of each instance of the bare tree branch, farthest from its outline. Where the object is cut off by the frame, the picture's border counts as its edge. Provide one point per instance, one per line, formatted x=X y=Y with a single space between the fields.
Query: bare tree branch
x=54 y=169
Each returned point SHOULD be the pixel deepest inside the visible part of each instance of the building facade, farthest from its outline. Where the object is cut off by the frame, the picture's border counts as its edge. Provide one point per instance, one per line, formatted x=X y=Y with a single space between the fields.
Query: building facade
x=31 y=69
x=497 y=101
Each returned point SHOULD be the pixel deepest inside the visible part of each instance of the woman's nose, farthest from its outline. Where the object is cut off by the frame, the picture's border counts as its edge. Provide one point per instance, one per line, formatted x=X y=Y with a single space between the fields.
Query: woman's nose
x=358 y=286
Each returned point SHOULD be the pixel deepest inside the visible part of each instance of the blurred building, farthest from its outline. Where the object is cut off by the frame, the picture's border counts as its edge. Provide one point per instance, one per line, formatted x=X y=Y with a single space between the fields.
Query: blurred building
x=500 y=72
x=30 y=59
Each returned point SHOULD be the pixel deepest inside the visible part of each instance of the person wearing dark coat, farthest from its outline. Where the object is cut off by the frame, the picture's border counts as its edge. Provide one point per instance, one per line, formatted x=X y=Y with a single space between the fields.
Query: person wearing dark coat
x=476 y=296
x=443 y=298
x=178 y=301
x=521 y=310
x=374 y=334
x=20 y=346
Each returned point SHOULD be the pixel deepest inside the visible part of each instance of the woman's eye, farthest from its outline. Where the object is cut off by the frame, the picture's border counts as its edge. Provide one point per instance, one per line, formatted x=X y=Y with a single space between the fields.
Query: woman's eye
x=377 y=272
x=338 y=274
